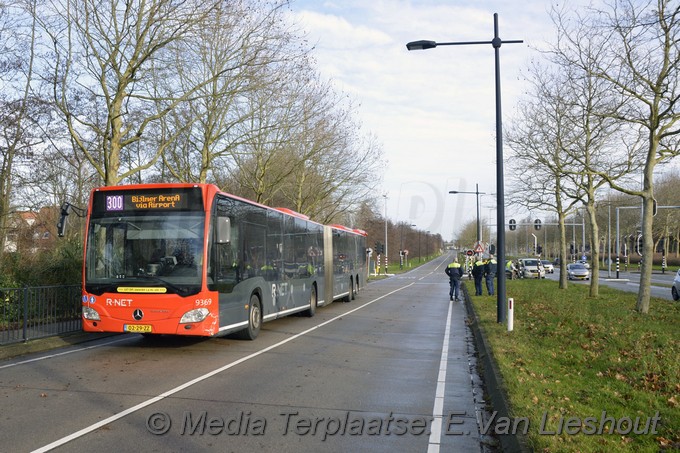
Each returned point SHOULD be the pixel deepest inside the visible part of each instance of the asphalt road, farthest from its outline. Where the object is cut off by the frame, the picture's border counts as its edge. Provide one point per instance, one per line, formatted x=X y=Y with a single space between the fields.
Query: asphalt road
x=392 y=371
x=630 y=281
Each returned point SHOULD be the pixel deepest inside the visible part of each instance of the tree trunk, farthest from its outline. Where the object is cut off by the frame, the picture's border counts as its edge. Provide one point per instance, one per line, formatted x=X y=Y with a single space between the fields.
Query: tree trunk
x=563 y=248
x=594 y=251
x=644 y=294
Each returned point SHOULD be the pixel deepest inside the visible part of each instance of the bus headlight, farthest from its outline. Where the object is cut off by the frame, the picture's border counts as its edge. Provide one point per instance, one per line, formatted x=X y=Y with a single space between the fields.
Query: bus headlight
x=90 y=313
x=196 y=315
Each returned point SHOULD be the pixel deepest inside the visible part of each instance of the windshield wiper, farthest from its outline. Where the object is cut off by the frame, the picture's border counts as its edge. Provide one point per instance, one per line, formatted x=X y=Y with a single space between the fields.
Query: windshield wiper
x=172 y=286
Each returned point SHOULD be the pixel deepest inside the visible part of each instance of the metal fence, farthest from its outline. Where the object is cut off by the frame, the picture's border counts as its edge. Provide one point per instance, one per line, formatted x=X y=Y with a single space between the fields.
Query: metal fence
x=38 y=311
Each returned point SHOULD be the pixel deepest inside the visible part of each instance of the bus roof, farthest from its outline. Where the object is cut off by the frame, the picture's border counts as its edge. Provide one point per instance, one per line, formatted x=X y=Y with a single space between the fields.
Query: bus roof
x=337 y=226
x=293 y=213
x=211 y=189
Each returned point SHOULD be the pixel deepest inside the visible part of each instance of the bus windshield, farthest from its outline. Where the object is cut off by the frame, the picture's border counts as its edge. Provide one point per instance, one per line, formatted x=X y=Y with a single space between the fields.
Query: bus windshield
x=144 y=249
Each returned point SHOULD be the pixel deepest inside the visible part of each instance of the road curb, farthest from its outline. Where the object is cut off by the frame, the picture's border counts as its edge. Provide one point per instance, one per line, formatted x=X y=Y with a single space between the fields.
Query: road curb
x=493 y=382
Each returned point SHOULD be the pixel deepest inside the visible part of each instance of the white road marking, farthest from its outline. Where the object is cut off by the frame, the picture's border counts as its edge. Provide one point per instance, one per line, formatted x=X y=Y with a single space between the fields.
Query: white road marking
x=37 y=359
x=438 y=409
x=89 y=429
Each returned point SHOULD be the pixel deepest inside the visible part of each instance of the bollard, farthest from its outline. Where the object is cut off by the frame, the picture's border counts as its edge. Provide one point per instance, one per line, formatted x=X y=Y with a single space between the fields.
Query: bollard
x=617 y=267
x=510 y=314
x=663 y=261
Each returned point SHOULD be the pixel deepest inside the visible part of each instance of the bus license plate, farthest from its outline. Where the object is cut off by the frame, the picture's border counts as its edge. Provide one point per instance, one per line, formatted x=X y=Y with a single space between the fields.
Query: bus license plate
x=139 y=328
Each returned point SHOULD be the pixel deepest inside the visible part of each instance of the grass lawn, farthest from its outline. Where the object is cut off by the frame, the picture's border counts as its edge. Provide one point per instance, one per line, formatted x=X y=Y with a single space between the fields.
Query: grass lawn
x=574 y=366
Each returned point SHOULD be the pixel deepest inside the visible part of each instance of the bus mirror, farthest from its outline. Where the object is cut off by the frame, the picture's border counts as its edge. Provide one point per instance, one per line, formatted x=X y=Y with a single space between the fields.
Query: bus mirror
x=223 y=230
x=61 y=225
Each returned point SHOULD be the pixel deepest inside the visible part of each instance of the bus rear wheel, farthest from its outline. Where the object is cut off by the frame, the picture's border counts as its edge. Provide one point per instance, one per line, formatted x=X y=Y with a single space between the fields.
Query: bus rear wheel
x=254 y=319
x=350 y=295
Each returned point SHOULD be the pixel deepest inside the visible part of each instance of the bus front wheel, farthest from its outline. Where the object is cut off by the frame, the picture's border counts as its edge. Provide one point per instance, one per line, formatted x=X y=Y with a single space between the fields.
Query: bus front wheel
x=254 y=319
x=312 y=302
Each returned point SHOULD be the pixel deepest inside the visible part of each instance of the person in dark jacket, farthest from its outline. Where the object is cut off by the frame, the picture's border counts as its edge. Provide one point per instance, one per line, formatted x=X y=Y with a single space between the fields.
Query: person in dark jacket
x=455 y=272
x=490 y=269
x=478 y=274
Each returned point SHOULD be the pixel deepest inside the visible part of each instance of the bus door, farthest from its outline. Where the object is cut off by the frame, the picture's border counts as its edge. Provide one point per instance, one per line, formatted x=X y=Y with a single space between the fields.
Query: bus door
x=228 y=266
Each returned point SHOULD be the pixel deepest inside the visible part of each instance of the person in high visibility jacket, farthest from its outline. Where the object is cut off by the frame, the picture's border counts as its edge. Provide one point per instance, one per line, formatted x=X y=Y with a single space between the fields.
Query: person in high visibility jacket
x=455 y=271
x=490 y=269
x=478 y=274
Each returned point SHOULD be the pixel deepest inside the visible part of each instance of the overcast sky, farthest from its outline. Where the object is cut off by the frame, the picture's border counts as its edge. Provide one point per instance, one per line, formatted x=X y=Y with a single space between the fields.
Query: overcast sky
x=433 y=110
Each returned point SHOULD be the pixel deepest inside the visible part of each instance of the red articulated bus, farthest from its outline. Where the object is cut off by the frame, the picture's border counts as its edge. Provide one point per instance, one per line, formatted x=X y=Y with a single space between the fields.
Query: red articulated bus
x=188 y=259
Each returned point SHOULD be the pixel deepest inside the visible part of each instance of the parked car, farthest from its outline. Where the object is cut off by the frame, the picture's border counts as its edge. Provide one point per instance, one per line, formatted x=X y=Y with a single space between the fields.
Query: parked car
x=577 y=271
x=548 y=266
x=531 y=268
x=675 y=289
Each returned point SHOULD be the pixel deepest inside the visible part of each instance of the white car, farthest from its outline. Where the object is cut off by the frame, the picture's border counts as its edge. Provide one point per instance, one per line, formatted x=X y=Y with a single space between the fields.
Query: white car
x=548 y=266
x=531 y=268
x=577 y=271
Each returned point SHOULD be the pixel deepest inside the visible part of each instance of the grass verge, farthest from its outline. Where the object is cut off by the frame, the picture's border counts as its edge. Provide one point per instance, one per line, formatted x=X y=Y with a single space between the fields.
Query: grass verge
x=587 y=374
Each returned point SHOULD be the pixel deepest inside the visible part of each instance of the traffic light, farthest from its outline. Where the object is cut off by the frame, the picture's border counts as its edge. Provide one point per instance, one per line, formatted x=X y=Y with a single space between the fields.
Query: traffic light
x=537 y=224
x=539 y=249
x=512 y=224
x=571 y=249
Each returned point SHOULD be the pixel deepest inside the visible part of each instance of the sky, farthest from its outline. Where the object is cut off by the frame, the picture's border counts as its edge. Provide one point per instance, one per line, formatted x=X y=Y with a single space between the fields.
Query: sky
x=434 y=110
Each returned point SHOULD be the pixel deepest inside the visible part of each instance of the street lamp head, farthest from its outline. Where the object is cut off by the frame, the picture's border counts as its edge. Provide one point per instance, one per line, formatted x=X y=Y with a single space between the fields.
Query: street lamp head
x=421 y=45
x=471 y=193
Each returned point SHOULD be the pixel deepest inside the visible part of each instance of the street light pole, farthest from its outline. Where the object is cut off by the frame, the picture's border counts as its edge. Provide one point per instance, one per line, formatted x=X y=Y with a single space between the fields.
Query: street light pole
x=385 y=197
x=496 y=43
x=477 y=193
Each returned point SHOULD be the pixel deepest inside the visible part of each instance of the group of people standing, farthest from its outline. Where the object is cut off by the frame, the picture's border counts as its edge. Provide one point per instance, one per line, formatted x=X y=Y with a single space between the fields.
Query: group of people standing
x=481 y=269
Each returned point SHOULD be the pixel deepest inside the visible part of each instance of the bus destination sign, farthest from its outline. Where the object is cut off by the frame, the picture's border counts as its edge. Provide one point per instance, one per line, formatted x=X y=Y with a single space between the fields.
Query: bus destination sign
x=147 y=200
x=117 y=202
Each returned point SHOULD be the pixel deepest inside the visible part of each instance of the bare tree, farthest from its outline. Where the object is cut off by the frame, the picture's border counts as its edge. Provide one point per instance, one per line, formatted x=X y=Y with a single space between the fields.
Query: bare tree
x=598 y=146
x=538 y=140
x=20 y=109
x=104 y=61
x=638 y=53
x=248 y=51
x=304 y=151
x=333 y=183
x=466 y=235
